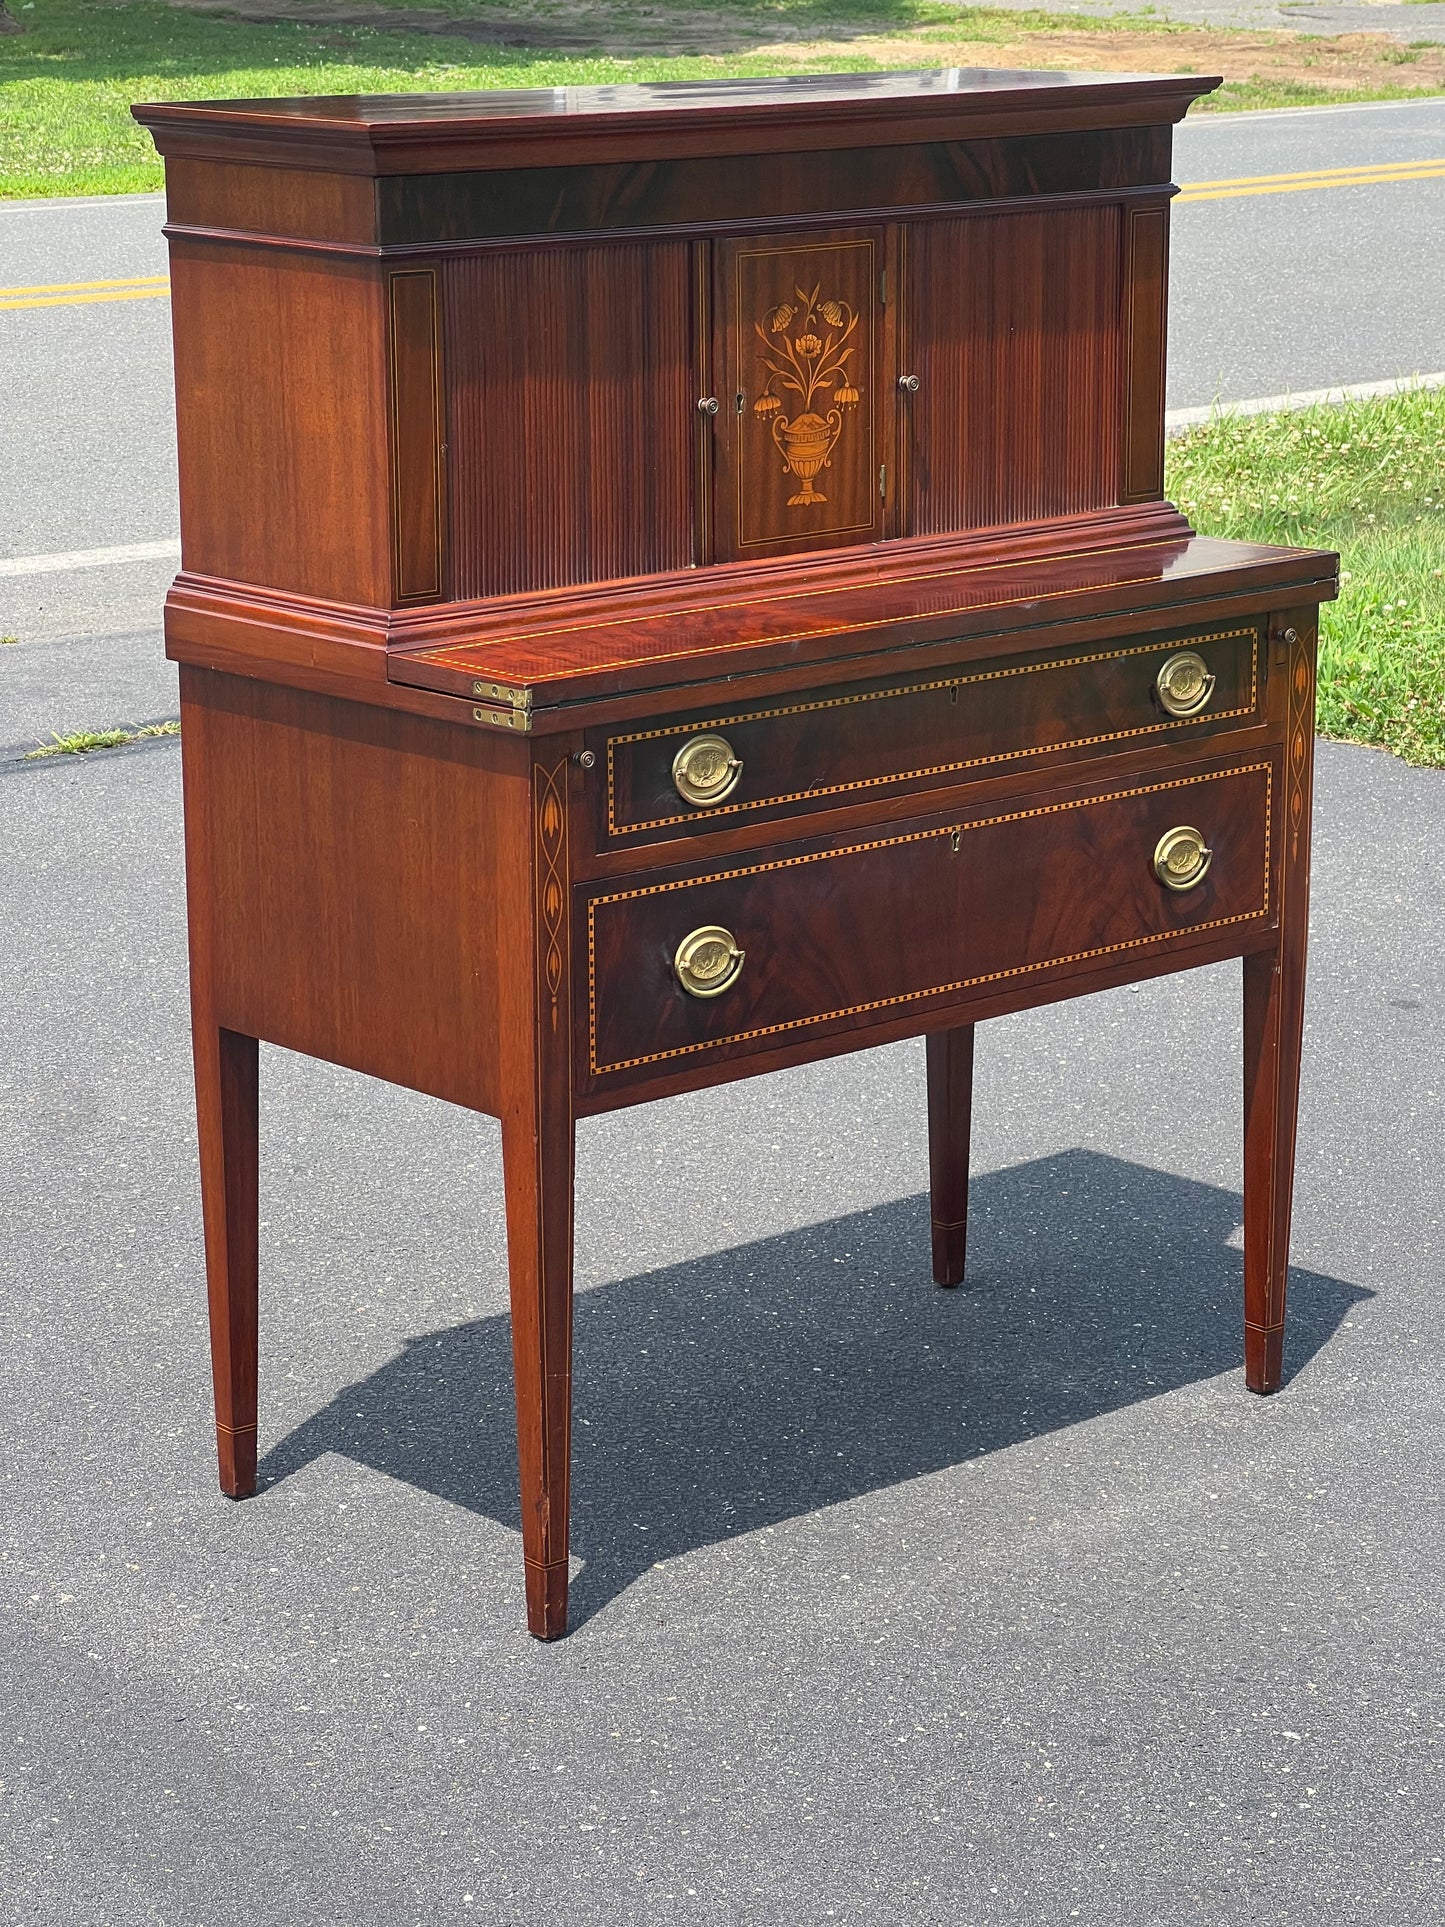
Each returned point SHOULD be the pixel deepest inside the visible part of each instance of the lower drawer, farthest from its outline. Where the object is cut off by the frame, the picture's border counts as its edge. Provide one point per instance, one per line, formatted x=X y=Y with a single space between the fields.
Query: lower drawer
x=813 y=937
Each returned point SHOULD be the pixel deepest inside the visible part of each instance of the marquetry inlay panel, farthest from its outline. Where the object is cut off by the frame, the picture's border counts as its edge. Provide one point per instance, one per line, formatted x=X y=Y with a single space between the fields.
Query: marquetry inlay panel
x=800 y=429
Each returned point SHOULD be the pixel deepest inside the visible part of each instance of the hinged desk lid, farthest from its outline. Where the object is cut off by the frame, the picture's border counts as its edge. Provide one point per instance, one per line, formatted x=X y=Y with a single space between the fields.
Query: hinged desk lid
x=554 y=654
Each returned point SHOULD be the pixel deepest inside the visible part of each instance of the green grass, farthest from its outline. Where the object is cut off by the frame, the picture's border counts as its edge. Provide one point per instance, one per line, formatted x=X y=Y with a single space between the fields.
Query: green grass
x=81 y=742
x=67 y=83
x=1271 y=90
x=1367 y=479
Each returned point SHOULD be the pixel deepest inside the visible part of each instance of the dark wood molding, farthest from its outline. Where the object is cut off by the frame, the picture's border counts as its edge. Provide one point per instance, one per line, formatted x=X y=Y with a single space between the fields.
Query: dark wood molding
x=461 y=133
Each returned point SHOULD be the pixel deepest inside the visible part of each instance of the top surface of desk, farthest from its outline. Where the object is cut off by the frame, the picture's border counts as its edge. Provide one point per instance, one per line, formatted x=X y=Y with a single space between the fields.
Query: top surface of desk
x=399 y=133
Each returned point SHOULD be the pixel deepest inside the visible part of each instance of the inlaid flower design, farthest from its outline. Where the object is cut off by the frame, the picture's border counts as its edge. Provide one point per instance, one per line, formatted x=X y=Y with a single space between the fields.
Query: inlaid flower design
x=810 y=362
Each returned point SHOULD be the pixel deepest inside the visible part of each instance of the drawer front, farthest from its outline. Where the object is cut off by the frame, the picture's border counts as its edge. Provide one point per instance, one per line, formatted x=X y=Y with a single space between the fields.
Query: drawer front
x=848 y=744
x=864 y=931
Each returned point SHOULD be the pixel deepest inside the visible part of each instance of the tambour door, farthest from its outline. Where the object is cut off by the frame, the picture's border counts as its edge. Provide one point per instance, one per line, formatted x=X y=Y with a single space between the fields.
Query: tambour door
x=804 y=383
x=571 y=414
x=1011 y=328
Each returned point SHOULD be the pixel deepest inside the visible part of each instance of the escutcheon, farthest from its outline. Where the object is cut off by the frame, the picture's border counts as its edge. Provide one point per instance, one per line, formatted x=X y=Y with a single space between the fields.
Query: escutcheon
x=705 y=770
x=708 y=961
x=1184 y=684
x=1181 y=858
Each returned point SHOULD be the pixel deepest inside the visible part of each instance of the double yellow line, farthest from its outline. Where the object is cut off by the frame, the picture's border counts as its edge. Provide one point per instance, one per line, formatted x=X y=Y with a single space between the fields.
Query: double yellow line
x=1376 y=175
x=66 y=294
x=71 y=294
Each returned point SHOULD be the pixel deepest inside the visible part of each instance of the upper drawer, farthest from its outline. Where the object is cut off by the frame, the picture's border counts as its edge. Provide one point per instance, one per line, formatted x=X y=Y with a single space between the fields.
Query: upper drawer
x=689 y=773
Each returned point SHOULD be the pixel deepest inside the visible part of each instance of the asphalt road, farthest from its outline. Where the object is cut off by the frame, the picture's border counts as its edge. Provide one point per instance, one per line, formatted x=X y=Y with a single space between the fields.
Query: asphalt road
x=1006 y=1605
x=1297 y=291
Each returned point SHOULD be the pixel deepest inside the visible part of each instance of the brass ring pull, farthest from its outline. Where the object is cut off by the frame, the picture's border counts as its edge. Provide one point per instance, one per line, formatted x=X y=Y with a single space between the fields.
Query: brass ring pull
x=1184 y=684
x=708 y=961
x=1181 y=858
x=705 y=770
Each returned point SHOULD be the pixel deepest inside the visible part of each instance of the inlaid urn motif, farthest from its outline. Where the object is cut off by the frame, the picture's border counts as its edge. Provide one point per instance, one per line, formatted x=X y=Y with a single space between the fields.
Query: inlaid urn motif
x=807 y=345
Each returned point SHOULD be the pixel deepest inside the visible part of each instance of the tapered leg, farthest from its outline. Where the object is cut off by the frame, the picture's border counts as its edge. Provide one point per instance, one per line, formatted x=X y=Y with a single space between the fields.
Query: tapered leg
x=1274 y=993
x=539 y=1171
x=226 y=1093
x=950 y=1108
x=538 y=1138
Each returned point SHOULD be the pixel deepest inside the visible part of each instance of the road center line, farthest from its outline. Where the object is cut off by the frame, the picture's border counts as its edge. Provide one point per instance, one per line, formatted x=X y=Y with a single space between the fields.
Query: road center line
x=63 y=294
x=1246 y=185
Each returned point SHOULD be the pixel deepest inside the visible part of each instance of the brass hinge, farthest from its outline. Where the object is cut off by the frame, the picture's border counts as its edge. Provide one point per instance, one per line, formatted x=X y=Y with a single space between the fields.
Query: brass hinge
x=883 y=288
x=883 y=481
x=506 y=708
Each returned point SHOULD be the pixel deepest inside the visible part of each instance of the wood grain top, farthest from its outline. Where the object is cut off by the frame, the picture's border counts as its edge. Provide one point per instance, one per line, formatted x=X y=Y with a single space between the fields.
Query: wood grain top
x=573 y=651
x=388 y=134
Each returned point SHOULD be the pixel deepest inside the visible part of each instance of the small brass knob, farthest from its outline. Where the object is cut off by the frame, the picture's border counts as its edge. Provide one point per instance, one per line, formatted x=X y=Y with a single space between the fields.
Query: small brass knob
x=909 y=384
x=705 y=770
x=707 y=405
x=1184 y=684
x=1181 y=858
x=708 y=961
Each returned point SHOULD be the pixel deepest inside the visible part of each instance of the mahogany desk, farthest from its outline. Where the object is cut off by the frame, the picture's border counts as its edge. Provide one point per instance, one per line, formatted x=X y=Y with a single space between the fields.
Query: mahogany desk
x=676 y=583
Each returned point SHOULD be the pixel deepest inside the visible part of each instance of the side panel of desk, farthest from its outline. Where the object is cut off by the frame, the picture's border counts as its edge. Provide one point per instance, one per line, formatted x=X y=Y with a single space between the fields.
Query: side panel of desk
x=348 y=868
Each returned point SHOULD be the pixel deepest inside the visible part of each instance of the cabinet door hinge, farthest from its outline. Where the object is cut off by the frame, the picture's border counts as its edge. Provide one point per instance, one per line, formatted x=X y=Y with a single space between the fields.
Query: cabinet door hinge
x=883 y=481
x=883 y=287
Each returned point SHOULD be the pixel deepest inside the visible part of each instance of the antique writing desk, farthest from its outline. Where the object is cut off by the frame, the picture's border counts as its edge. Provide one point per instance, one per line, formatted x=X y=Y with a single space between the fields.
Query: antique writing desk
x=676 y=583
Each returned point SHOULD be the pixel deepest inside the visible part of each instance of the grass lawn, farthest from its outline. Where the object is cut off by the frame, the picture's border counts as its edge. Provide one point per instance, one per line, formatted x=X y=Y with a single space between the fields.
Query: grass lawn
x=1367 y=479
x=66 y=84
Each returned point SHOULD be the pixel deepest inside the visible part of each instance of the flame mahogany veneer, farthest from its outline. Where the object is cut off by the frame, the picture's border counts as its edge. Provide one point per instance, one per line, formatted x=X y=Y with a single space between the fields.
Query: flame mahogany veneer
x=615 y=515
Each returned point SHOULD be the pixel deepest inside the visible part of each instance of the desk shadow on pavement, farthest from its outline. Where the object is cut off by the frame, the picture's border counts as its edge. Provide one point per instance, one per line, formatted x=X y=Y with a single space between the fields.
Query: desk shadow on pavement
x=764 y=1382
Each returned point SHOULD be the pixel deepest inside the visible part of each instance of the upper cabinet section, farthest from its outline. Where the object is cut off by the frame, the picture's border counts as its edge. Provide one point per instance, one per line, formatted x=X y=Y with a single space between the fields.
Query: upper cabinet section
x=442 y=350
x=805 y=413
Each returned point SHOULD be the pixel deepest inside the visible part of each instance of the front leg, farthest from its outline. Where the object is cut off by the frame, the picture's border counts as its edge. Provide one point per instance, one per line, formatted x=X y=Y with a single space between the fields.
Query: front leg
x=538 y=1149
x=1274 y=998
x=537 y=1158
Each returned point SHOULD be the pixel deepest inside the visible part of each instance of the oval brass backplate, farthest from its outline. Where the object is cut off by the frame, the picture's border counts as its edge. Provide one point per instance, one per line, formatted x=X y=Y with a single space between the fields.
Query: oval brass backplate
x=708 y=961
x=705 y=770
x=1184 y=684
x=1181 y=858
